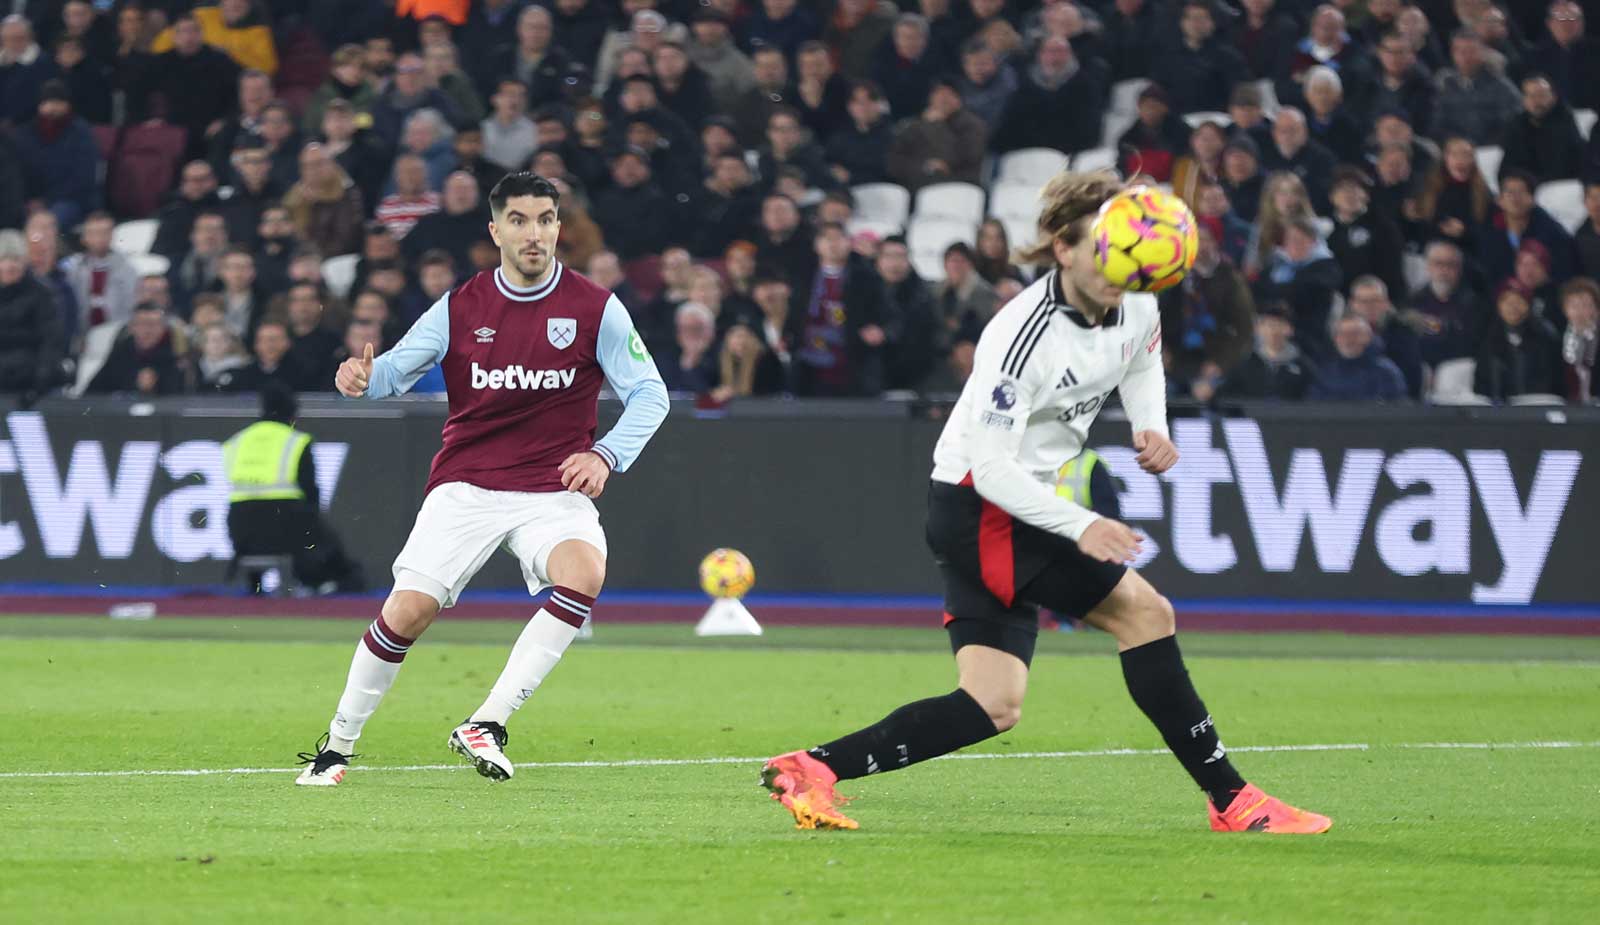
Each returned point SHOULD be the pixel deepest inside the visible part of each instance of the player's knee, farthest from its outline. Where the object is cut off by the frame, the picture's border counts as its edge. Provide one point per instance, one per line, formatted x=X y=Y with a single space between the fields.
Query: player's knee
x=579 y=566
x=409 y=612
x=1160 y=618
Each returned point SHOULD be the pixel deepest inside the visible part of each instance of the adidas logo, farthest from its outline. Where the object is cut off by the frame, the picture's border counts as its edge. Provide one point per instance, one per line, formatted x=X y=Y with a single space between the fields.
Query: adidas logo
x=485 y=335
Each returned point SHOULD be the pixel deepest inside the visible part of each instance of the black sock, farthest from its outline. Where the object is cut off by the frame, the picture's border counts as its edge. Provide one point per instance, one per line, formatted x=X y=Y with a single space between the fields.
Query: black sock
x=1161 y=687
x=915 y=732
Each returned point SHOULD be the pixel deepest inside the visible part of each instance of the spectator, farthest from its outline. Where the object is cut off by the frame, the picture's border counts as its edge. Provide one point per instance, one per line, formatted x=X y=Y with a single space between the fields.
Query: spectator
x=1580 y=306
x=251 y=193
x=131 y=59
x=1264 y=37
x=220 y=360
x=1471 y=100
x=1326 y=43
x=278 y=137
x=726 y=206
x=441 y=66
x=413 y=197
x=13 y=191
x=1521 y=354
x=325 y=205
x=787 y=146
x=1285 y=201
x=1444 y=310
x=946 y=144
x=1215 y=214
x=642 y=123
x=605 y=270
x=820 y=93
x=197 y=192
x=985 y=83
x=1396 y=338
x=1293 y=150
x=682 y=88
x=244 y=124
x=348 y=80
x=1401 y=85
x=841 y=342
x=1543 y=139
x=1570 y=57
x=965 y=302
x=1413 y=24
x=858 y=152
x=534 y=60
x=656 y=319
x=1455 y=200
x=1202 y=164
x=910 y=319
x=24 y=69
x=1199 y=71
x=1393 y=192
x=1587 y=237
x=856 y=31
x=1274 y=370
x=1058 y=103
x=992 y=255
x=88 y=79
x=1246 y=109
x=1241 y=177
x=199 y=270
x=1502 y=50
x=905 y=67
x=406 y=94
x=691 y=364
x=1392 y=129
x=755 y=104
x=1207 y=320
x=728 y=71
x=312 y=344
x=1358 y=371
x=777 y=325
x=273 y=366
x=647 y=30
x=233 y=28
x=1152 y=144
x=780 y=24
x=32 y=343
x=361 y=156
x=746 y=367
x=635 y=214
x=467 y=147
x=1520 y=218
x=1533 y=272
x=104 y=283
x=60 y=160
x=244 y=301
x=582 y=25
x=144 y=358
x=428 y=136
x=1362 y=241
x=1327 y=119
x=1302 y=272
x=781 y=244
x=194 y=85
x=44 y=264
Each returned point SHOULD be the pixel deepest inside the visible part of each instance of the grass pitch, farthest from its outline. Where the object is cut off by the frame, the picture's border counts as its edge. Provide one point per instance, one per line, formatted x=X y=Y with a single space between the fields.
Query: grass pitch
x=1428 y=827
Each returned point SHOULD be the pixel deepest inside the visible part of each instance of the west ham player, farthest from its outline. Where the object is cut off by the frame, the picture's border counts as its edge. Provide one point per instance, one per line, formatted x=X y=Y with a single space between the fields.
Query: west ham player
x=525 y=349
x=1005 y=540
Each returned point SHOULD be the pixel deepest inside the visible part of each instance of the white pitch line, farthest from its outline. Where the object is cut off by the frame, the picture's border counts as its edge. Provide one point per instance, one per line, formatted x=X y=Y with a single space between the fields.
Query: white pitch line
x=685 y=762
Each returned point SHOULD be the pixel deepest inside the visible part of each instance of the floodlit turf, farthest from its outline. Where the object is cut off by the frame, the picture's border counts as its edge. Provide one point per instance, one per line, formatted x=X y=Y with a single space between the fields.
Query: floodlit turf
x=1438 y=834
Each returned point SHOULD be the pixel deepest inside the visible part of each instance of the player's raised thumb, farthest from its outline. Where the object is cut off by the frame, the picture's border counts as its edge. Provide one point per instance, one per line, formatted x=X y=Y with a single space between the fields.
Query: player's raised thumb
x=367 y=356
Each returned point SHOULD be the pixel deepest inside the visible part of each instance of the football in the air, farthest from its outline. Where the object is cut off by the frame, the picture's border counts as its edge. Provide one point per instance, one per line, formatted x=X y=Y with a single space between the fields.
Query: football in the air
x=727 y=573
x=1145 y=239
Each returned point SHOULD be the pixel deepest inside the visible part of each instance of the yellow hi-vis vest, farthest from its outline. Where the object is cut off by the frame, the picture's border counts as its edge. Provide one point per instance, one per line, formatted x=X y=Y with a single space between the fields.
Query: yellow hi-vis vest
x=1072 y=479
x=262 y=461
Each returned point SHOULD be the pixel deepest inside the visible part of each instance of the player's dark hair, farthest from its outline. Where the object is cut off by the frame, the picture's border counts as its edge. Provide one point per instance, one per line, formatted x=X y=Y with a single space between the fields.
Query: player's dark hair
x=521 y=183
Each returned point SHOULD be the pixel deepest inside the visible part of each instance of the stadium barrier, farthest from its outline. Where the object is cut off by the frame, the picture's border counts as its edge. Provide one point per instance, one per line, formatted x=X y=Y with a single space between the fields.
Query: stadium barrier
x=1325 y=508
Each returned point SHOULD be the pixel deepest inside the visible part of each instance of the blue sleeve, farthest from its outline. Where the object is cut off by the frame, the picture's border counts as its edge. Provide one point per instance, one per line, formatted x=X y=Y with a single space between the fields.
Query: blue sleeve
x=420 y=350
x=634 y=377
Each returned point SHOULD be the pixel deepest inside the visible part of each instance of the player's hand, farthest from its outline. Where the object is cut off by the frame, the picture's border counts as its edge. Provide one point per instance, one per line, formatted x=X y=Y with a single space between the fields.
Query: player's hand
x=354 y=374
x=1110 y=541
x=1156 y=453
x=585 y=472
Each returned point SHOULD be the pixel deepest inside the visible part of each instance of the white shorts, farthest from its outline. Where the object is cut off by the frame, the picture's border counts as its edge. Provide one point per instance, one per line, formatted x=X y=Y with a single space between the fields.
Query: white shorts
x=460 y=525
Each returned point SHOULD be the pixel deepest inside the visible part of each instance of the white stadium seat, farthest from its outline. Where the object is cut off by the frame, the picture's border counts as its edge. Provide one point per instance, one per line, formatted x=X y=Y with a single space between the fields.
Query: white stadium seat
x=1197 y=119
x=1563 y=199
x=927 y=239
x=866 y=225
x=134 y=237
x=149 y=264
x=1586 y=119
x=1452 y=383
x=1415 y=267
x=340 y=273
x=889 y=203
x=1537 y=398
x=1269 y=97
x=961 y=202
x=1489 y=157
x=1095 y=159
x=1034 y=166
x=1016 y=206
x=1125 y=96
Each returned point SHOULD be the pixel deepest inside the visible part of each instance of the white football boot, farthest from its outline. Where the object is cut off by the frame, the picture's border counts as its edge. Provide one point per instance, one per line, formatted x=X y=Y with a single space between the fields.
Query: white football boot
x=481 y=744
x=324 y=766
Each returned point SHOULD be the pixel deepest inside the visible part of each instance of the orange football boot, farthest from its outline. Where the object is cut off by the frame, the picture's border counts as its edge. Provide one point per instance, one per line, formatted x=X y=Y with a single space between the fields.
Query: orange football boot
x=1254 y=811
x=804 y=786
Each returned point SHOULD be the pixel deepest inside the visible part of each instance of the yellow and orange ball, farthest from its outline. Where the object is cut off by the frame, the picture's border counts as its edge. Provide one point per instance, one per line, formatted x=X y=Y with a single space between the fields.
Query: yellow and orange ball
x=1145 y=240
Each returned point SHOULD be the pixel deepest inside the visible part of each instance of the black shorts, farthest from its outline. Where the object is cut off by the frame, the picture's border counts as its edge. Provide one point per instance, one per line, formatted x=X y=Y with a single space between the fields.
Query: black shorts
x=997 y=570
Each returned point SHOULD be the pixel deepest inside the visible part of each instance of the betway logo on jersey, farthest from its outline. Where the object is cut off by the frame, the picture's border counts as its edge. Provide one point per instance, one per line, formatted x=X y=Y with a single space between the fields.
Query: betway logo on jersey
x=517 y=376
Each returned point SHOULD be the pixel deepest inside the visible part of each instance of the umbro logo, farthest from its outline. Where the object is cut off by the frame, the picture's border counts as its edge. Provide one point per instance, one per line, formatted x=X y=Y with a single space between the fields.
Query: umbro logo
x=1068 y=380
x=485 y=335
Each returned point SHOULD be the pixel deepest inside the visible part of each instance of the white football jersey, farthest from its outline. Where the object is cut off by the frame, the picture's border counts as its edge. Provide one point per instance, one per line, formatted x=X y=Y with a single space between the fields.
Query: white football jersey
x=1041 y=374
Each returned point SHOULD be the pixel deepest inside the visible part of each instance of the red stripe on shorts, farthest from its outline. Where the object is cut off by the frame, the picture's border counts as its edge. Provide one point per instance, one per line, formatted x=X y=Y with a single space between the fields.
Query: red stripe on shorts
x=994 y=553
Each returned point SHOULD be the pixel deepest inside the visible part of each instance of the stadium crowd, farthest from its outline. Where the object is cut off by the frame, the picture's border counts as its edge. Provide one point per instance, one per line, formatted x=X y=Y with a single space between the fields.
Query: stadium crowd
x=1398 y=201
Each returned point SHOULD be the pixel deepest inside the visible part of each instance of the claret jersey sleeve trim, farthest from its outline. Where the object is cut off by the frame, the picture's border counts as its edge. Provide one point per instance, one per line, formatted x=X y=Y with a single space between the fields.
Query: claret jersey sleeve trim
x=423 y=348
x=633 y=376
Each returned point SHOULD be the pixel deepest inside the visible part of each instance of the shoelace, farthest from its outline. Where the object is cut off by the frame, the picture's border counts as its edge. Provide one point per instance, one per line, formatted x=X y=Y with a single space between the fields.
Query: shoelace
x=323 y=758
x=495 y=731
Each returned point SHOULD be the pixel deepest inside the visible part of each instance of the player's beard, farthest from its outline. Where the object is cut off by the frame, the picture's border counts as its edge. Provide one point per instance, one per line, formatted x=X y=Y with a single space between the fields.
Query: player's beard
x=533 y=267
